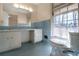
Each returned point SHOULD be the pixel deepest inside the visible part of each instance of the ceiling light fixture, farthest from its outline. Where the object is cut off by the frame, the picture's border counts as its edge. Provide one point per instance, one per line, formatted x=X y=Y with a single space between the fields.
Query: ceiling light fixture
x=30 y=9
x=16 y=5
x=23 y=7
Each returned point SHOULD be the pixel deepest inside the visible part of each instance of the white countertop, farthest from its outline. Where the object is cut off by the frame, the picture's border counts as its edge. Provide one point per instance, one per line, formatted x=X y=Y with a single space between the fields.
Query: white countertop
x=18 y=30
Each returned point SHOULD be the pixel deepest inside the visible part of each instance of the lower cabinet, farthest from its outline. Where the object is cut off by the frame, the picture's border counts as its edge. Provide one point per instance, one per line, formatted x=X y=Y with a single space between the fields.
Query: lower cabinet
x=4 y=44
x=36 y=35
x=15 y=40
x=9 y=40
x=24 y=36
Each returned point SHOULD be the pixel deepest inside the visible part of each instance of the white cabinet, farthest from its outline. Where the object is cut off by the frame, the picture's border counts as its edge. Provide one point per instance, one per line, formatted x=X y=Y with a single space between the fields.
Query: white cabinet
x=9 y=40
x=24 y=36
x=4 y=43
x=36 y=35
x=14 y=40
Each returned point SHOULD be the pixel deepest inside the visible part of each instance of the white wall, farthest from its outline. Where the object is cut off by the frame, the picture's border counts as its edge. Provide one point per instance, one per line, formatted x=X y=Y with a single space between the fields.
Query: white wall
x=42 y=12
x=22 y=19
x=5 y=19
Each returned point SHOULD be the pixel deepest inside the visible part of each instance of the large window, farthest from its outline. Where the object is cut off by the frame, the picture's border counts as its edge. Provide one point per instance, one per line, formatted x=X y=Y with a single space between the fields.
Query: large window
x=65 y=21
x=67 y=17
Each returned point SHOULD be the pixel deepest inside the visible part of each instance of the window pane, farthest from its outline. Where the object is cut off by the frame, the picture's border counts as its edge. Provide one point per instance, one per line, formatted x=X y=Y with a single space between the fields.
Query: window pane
x=64 y=16
x=76 y=14
x=65 y=20
x=64 y=23
x=69 y=22
x=73 y=24
x=60 y=19
x=76 y=22
x=56 y=19
x=70 y=16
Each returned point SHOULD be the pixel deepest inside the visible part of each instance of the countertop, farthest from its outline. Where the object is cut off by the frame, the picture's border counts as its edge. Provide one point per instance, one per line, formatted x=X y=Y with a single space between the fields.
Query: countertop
x=18 y=30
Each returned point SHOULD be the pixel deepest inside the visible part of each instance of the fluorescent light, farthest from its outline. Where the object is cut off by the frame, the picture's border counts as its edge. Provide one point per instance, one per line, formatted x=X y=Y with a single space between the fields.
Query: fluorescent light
x=26 y=8
x=16 y=5
x=30 y=9
x=23 y=7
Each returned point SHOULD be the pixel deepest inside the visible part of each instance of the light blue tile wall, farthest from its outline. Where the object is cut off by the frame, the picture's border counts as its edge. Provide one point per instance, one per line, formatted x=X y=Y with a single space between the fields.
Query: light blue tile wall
x=45 y=26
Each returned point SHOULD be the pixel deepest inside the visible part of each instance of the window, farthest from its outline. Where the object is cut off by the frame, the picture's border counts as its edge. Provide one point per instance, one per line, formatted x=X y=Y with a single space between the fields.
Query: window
x=67 y=17
x=57 y=20
x=70 y=16
x=65 y=21
x=60 y=21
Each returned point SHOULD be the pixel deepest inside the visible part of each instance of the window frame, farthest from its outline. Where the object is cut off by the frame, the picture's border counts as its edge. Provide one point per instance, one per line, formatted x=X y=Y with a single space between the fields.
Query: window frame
x=67 y=21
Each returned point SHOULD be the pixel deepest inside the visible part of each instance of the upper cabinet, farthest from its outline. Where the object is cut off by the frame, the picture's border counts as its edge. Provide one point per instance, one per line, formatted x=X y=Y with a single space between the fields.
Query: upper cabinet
x=42 y=11
x=19 y=19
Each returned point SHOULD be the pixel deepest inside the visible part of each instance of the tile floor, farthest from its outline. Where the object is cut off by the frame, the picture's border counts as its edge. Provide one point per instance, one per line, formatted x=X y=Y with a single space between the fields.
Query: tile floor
x=30 y=49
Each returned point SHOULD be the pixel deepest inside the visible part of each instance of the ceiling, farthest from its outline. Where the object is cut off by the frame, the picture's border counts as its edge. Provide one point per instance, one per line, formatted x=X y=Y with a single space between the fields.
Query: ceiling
x=8 y=7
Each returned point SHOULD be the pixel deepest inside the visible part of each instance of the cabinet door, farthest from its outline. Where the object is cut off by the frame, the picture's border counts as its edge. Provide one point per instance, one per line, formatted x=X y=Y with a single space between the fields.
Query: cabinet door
x=38 y=36
x=14 y=40
x=24 y=36
x=4 y=42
